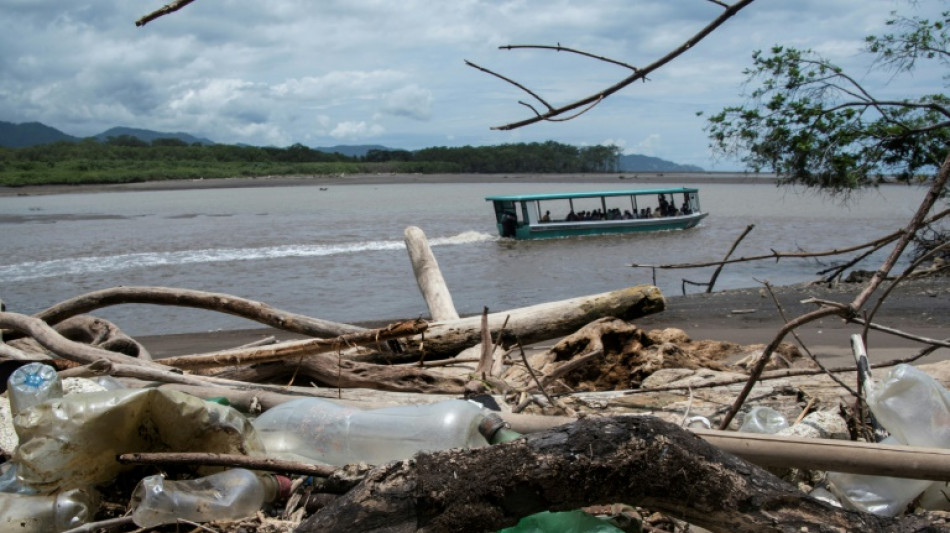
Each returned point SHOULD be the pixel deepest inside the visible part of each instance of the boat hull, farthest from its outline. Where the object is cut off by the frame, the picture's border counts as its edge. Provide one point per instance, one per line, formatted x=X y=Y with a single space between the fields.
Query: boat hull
x=554 y=230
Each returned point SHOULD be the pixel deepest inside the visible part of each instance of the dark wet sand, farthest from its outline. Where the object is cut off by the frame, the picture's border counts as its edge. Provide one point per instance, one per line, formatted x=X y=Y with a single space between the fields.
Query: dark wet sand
x=744 y=316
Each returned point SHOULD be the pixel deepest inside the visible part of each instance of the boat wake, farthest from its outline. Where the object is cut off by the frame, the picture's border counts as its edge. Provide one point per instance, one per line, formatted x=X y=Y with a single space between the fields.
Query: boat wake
x=76 y=266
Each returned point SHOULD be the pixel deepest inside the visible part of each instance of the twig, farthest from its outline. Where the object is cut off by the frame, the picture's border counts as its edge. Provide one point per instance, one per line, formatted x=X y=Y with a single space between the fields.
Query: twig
x=112 y=523
x=164 y=10
x=780 y=255
x=534 y=376
x=801 y=343
x=735 y=244
x=222 y=459
x=638 y=74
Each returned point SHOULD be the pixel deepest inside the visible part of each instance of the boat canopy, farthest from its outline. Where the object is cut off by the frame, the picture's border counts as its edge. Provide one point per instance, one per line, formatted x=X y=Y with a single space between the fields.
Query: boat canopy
x=588 y=194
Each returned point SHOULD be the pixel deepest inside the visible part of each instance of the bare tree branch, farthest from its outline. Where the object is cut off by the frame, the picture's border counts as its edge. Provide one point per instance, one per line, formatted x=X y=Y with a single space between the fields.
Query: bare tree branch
x=165 y=10
x=638 y=74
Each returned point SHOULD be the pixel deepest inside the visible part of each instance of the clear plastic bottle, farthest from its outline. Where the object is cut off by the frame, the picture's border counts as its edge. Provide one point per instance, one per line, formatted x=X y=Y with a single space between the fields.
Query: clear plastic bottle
x=44 y=514
x=227 y=495
x=763 y=419
x=318 y=430
x=915 y=409
x=31 y=384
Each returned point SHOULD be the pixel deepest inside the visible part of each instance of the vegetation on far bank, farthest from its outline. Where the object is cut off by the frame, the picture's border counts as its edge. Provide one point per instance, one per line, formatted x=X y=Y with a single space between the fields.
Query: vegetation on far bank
x=127 y=159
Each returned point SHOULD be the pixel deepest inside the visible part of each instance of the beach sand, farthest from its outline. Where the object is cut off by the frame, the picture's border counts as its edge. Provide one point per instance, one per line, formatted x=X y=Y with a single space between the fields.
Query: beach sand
x=745 y=316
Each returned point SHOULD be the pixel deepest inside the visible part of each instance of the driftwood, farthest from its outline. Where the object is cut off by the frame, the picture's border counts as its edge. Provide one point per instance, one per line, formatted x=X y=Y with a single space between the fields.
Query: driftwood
x=211 y=301
x=429 y=276
x=537 y=323
x=638 y=461
x=296 y=349
x=326 y=370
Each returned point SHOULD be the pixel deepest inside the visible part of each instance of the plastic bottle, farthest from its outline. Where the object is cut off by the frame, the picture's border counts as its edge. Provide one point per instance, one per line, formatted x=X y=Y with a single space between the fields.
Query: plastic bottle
x=227 y=495
x=31 y=384
x=313 y=429
x=44 y=514
x=763 y=420
x=915 y=409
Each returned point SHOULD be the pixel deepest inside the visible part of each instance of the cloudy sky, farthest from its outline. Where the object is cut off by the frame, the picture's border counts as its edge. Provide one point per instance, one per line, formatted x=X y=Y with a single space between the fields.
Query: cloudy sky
x=392 y=72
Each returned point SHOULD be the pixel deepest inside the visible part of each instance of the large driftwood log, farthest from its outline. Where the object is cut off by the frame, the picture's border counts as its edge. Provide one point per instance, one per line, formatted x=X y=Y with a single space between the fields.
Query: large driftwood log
x=431 y=283
x=537 y=323
x=640 y=461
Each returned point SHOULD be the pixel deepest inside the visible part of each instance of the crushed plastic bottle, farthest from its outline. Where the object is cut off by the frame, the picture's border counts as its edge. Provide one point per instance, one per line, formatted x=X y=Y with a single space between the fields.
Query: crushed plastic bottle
x=318 y=430
x=72 y=442
x=227 y=495
x=763 y=419
x=31 y=384
x=915 y=409
x=45 y=514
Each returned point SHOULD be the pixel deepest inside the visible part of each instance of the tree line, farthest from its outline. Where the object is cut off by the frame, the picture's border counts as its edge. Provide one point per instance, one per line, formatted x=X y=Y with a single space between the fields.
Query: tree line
x=126 y=158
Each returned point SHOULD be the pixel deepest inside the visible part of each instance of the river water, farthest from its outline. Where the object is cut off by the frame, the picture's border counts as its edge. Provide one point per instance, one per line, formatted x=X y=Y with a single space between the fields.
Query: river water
x=337 y=253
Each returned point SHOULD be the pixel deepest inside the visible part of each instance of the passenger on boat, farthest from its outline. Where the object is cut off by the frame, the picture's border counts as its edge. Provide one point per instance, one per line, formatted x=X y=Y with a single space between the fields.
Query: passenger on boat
x=627 y=215
x=572 y=216
x=546 y=217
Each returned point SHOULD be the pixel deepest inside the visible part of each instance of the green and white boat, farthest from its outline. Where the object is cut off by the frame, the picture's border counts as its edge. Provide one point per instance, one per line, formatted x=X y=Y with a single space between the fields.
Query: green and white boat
x=546 y=216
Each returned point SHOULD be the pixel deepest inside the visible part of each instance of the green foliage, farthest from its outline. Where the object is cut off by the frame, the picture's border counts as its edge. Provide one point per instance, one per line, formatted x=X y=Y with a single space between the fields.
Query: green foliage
x=813 y=124
x=124 y=159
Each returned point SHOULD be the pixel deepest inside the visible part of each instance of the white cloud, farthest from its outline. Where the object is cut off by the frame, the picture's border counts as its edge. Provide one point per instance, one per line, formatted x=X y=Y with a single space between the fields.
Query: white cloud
x=290 y=71
x=354 y=131
x=409 y=101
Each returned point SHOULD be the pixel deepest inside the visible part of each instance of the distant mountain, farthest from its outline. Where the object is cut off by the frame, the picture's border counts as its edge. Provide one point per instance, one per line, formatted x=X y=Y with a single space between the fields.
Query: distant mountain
x=643 y=163
x=149 y=135
x=30 y=134
x=356 y=150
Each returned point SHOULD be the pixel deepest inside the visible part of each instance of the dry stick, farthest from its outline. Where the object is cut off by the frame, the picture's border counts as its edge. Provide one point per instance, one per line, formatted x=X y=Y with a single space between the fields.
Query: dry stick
x=484 y=364
x=640 y=74
x=498 y=360
x=781 y=312
x=877 y=243
x=164 y=10
x=302 y=348
x=103 y=525
x=836 y=271
x=907 y=272
x=223 y=459
x=534 y=376
x=876 y=280
x=712 y=280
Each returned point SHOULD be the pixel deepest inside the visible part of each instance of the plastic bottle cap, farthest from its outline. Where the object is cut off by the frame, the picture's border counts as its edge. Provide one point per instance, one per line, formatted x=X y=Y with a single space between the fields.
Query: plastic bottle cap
x=284 y=487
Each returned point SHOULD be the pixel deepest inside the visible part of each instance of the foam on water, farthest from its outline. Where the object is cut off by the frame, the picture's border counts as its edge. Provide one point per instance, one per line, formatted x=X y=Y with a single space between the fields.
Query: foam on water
x=113 y=263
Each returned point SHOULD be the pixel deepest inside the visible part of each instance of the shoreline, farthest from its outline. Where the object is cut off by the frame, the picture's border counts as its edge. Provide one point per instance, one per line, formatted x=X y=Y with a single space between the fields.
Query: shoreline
x=743 y=316
x=632 y=178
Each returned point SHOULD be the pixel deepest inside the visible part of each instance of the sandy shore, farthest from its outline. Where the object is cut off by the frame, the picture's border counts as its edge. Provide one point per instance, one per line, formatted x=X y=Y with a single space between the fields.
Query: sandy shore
x=745 y=316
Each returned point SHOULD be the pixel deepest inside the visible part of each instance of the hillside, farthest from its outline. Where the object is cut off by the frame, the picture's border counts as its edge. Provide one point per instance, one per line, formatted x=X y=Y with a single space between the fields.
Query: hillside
x=30 y=134
x=34 y=134
x=643 y=163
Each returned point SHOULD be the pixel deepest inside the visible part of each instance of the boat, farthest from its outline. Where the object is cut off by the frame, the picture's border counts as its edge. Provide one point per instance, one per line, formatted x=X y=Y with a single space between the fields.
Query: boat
x=546 y=216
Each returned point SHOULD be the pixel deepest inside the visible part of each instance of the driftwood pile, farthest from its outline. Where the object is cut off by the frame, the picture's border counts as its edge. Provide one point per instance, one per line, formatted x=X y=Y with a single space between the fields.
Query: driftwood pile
x=574 y=400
